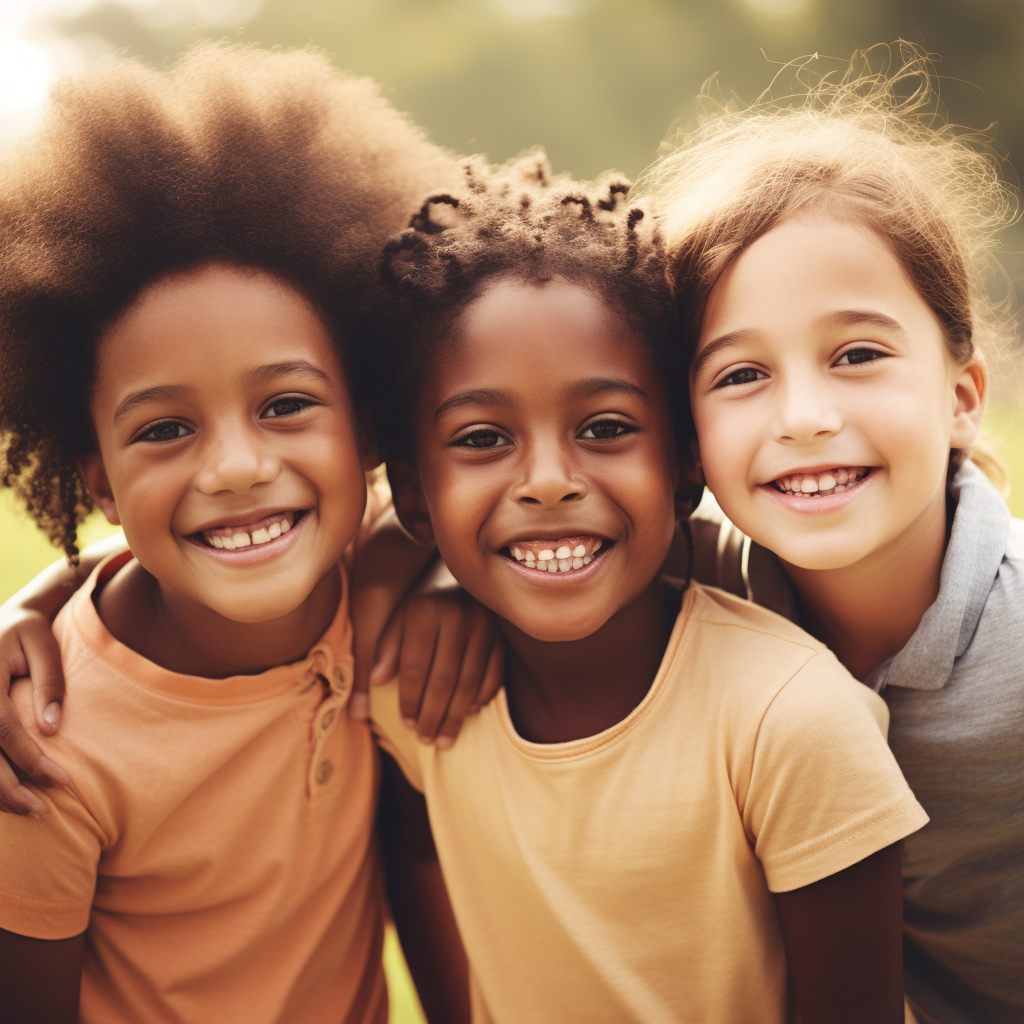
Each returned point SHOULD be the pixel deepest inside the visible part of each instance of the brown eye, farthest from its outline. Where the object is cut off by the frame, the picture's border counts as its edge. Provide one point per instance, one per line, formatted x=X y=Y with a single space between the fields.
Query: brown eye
x=748 y=375
x=854 y=356
x=285 y=407
x=605 y=430
x=482 y=439
x=166 y=431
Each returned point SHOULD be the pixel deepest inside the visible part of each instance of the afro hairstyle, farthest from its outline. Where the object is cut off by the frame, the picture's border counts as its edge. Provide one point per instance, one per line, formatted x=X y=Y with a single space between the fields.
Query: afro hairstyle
x=268 y=160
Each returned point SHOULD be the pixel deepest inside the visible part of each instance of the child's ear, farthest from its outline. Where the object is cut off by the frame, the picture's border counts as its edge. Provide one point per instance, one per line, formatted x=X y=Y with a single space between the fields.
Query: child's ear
x=970 y=390
x=94 y=474
x=690 y=488
x=410 y=504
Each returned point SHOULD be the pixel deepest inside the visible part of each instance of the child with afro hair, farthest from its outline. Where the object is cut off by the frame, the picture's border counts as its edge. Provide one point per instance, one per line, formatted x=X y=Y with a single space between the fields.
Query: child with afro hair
x=188 y=294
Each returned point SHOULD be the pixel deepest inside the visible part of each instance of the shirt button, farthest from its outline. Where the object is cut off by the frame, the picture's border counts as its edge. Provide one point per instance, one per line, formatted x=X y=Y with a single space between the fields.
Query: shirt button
x=328 y=720
x=324 y=772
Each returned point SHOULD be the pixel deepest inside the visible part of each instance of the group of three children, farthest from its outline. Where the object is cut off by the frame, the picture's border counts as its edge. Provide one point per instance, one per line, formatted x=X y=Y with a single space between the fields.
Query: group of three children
x=679 y=806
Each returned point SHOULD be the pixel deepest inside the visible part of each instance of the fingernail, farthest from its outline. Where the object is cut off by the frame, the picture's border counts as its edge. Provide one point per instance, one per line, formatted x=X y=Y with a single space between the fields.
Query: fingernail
x=54 y=771
x=409 y=723
x=359 y=706
x=51 y=713
x=443 y=742
x=426 y=739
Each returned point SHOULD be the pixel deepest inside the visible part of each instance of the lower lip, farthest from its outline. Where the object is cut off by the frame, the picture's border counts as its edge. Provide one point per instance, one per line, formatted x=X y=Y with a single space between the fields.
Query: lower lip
x=559 y=579
x=256 y=554
x=819 y=506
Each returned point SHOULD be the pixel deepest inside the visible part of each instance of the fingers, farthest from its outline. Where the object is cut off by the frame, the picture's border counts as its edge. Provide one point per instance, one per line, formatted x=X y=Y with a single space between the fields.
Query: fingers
x=476 y=661
x=419 y=640
x=43 y=657
x=24 y=753
x=16 y=798
x=455 y=640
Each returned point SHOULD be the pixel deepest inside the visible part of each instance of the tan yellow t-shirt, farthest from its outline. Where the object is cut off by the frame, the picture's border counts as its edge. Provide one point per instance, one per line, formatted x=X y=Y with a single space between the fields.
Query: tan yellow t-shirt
x=216 y=843
x=627 y=877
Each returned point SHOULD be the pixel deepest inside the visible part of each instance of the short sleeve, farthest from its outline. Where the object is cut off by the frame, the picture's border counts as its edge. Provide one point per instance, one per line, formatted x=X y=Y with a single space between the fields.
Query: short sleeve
x=393 y=736
x=825 y=790
x=48 y=869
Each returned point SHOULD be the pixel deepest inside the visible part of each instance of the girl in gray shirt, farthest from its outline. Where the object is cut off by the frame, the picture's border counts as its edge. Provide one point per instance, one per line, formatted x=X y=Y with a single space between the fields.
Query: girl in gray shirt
x=829 y=258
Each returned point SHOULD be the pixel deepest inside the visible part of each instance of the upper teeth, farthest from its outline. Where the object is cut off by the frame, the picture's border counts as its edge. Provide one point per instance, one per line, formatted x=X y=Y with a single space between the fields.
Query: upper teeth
x=243 y=538
x=820 y=485
x=560 y=558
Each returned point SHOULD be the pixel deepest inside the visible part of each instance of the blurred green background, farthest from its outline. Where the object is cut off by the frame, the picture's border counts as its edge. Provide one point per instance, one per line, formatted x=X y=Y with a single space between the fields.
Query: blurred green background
x=597 y=82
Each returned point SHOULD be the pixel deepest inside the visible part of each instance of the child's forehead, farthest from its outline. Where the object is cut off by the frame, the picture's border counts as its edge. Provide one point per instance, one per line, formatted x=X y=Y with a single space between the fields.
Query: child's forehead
x=218 y=319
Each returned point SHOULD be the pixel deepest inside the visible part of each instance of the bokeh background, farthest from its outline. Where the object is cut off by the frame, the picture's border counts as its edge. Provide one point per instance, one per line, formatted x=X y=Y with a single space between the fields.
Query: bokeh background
x=599 y=83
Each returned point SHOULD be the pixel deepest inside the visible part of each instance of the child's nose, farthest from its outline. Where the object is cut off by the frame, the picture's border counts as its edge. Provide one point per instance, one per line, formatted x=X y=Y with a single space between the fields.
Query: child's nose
x=549 y=479
x=236 y=461
x=805 y=413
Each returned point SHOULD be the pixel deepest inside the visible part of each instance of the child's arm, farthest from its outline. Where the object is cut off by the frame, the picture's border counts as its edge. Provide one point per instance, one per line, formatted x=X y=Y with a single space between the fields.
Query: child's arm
x=843 y=937
x=411 y=619
x=27 y=647
x=40 y=979
x=419 y=901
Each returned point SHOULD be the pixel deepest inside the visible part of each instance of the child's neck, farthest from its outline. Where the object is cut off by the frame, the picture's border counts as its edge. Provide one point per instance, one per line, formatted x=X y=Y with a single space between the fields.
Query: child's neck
x=866 y=612
x=565 y=691
x=183 y=636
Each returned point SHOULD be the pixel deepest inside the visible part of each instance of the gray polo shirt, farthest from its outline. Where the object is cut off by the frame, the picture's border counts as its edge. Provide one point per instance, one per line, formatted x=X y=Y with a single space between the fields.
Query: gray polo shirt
x=956 y=701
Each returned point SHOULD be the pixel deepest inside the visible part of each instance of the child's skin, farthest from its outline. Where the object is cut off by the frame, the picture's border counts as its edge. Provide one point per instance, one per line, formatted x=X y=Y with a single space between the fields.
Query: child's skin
x=545 y=420
x=815 y=354
x=219 y=401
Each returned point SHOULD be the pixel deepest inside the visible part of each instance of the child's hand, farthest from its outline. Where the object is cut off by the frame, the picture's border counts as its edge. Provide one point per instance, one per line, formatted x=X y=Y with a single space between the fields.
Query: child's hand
x=447 y=651
x=27 y=647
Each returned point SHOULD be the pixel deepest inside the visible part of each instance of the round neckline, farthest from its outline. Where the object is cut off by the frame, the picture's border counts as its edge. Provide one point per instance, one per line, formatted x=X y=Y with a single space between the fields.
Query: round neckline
x=229 y=691
x=568 y=750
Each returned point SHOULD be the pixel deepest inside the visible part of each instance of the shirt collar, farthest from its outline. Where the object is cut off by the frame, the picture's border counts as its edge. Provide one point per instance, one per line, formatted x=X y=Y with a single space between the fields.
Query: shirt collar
x=977 y=543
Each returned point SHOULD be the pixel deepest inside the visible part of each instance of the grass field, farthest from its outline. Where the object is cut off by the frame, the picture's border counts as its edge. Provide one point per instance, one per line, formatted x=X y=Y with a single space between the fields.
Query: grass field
x=24 y=551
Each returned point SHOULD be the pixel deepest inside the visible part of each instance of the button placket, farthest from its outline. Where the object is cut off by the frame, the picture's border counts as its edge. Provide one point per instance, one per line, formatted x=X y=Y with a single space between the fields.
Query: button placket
x=335 y=681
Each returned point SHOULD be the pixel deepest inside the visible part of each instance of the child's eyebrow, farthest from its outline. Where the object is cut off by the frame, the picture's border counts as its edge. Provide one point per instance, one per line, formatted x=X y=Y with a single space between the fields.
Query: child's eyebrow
x=719 y=343
x=161 y=392
x=594 y=386
x=478 y=396
x=271 y=371
x=871 y=317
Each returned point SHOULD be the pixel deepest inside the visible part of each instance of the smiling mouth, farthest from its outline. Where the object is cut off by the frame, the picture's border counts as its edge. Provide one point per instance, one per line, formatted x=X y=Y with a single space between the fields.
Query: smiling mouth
x=263 y=531
x=561 y=555
x=821 y=485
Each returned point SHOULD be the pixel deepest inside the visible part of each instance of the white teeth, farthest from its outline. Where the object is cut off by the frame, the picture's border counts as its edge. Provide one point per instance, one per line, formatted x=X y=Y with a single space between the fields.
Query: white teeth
x=217 y=542
x=546 y=555
x=839 y=489
x=577 y=563
x=517 y=554
x=826 y=482
x=564 y=564
x=228 y=543
x=579 y=551
x=587 y=559
x=552 y=566
x=563 y=552
x=274 y=530
x=842 y=476
x=242 y=540
x=542 y=564
x=808 y=485
x=261 y=536
x=285 y=526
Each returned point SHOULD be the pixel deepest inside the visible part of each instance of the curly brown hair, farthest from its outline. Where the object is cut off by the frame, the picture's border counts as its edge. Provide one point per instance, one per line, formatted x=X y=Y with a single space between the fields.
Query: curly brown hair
x=269 y=160
x=518 y=222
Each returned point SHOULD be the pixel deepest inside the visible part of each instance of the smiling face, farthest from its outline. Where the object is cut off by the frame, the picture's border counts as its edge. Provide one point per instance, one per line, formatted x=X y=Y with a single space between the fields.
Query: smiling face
x=546 y=460
x=228 y=448
x=824 y=399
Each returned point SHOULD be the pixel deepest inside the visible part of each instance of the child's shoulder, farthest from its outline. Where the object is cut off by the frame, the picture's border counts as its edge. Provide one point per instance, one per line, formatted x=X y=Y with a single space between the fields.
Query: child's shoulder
x=718 y=609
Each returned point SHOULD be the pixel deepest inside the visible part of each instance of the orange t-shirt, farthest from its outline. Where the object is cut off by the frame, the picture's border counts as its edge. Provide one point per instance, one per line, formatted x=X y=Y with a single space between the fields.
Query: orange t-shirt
x=216 y=843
